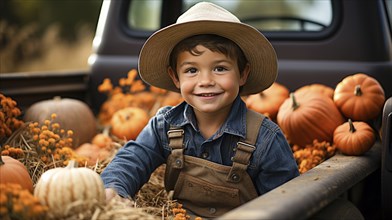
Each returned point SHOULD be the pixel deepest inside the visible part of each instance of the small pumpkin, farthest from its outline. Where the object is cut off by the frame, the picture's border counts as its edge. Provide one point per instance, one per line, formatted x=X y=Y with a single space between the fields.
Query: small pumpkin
x=127 y=123
x=118 y=101
x=103 y=140
x=59 y=188
x=13 y=171
x=316 y=87
x=93 y=152
x=72 y=114
x=354 y=138
x=309 y=117
x=359 y=97
x=268 y=101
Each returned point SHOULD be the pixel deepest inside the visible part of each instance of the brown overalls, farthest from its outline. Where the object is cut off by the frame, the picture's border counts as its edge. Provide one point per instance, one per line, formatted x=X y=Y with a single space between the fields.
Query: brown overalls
x=206 y=188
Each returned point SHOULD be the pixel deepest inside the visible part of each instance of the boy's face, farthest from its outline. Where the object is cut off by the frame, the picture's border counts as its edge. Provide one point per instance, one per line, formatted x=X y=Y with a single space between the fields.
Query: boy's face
x=209 y=82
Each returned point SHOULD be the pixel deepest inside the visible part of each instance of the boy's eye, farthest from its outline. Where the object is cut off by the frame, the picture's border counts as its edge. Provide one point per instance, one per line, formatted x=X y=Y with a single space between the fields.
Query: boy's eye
x=191 y=70
x=219 y=69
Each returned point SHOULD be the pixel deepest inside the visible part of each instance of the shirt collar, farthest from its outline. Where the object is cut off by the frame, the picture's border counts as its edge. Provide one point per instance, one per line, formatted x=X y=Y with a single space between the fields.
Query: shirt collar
x=235 y=123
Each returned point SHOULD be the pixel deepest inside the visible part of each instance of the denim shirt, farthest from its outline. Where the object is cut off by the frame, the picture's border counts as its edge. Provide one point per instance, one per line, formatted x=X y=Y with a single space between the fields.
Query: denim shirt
x=271 y=165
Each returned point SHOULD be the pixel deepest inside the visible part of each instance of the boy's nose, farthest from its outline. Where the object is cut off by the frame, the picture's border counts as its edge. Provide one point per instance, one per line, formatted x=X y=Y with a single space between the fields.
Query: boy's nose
x=206 y=79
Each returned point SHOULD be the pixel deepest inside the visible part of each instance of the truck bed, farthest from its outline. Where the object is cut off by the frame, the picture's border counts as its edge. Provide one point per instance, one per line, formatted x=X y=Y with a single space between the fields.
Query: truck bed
x=359 y=40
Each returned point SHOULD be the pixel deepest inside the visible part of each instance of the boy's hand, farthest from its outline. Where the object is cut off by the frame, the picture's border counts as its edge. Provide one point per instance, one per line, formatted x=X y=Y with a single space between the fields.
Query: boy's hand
x=111 y=194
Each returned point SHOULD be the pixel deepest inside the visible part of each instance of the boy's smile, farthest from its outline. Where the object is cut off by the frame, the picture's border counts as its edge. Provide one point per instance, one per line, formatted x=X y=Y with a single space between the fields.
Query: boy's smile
x=209 y=81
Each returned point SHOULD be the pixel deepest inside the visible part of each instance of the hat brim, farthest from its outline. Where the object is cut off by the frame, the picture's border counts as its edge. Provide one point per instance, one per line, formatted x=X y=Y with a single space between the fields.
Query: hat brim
x=154 y=56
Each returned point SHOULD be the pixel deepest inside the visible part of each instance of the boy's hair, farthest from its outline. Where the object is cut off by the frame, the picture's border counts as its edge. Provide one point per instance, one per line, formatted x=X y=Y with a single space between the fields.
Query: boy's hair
x=214 y=43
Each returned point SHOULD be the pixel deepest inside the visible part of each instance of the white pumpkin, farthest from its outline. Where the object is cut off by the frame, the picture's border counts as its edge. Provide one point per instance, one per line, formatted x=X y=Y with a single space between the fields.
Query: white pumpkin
x=69 y=189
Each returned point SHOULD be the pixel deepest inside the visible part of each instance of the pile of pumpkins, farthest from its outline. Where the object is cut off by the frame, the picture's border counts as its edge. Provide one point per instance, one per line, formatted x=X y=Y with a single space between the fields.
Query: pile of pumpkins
x=318 y=112
x=313 y=112
x=76 y=115
x=80 y=186
x=60 y=182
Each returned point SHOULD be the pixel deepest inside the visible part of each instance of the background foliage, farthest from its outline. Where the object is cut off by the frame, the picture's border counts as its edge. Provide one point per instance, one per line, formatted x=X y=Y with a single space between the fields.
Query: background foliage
x=32 y=30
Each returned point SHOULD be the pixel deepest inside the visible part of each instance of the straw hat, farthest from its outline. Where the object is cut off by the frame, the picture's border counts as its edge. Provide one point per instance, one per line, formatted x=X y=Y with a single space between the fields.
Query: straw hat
x=207 y=18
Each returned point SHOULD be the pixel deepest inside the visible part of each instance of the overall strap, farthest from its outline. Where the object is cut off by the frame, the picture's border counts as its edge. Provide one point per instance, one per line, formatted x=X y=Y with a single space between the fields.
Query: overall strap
x=176 y=142
x=245 y=148
x=175 y=161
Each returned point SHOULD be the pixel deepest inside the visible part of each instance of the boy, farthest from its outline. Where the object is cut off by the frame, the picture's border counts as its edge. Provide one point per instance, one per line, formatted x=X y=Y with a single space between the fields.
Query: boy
x=218 y=154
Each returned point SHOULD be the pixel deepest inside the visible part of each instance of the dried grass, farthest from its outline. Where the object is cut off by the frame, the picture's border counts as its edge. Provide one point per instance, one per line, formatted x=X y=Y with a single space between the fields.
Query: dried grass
x=151 y=202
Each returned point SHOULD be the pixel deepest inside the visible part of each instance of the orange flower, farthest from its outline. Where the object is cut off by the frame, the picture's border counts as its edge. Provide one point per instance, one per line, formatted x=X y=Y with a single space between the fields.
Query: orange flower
x=53 y=116
x=47 y=122
x=138 y=86
x=122 y=82
x=106 y=86
x=132 y=74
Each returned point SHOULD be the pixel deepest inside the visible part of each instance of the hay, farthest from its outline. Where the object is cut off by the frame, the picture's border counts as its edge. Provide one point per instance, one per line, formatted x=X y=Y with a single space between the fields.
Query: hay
x=115 y=209
x=151 y=202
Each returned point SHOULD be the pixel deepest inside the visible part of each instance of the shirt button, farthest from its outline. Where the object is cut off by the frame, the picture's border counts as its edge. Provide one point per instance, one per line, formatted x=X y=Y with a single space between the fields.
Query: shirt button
x=204 y=155
x=212 y=210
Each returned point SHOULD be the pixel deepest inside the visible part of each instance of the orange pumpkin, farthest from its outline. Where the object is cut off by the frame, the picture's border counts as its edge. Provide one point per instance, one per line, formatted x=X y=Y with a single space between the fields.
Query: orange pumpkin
x=72 y=114
x=359 y=97
x=13 y=171
x=144 y=100
x=309 y=117
x=354 y=138
x=127 y=123
x=93 y=152
x=103 y=140
x=268 y=101
x=316 y=87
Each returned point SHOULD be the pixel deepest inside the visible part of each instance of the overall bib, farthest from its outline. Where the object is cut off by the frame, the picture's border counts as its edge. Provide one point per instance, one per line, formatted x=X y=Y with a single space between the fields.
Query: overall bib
x=210 y=189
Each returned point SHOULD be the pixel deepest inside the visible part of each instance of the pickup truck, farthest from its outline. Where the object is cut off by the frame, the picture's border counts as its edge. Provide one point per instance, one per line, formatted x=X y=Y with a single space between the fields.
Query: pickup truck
x=315 y=41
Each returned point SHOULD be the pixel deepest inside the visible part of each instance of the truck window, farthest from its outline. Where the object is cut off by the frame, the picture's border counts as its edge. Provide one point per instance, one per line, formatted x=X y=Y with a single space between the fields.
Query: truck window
x=266 y=15
x=145 y=15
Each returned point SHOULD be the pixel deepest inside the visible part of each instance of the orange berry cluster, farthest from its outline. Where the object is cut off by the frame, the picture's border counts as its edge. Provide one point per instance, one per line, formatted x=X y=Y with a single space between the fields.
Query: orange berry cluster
x=129 y=92
x=66 y=154
x=49 y=142
x=49 y=137
x=53 y=143
x=180 y=213
x=126 y=85
x=9 y=113
x=18 y=203
x=313 y=154
x=13 y=152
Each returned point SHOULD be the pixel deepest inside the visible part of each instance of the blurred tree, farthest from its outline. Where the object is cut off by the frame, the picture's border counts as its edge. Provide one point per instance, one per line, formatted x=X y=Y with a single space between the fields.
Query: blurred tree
x=70 y=15
x=33 y=30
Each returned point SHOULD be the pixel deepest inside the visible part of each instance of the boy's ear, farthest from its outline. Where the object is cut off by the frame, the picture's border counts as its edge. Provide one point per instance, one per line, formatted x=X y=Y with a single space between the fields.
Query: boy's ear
x=174 y=77
x=244 y=75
